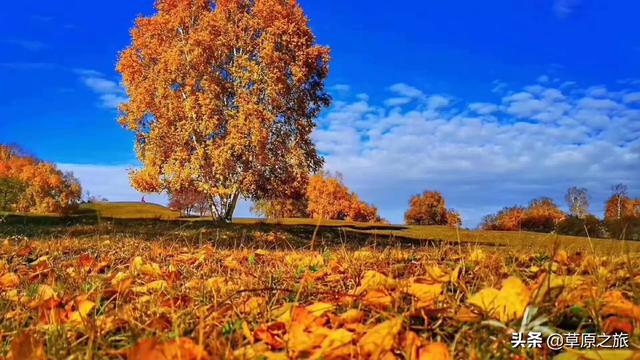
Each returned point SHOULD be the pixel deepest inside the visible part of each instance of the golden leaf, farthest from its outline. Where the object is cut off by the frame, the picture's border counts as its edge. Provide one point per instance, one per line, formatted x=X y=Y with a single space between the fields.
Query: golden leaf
x=180 y=349
x=154 y=286
x=380 y=338
x=616 y=304
x=84 y=308
x=333 y=340
x=373 y=280
x=506 y=304
x=9 y=281
x=352 y=316
x=425 y=293
x=378 y=299
x=319 y=308
x=27 y=346
x=434 y=351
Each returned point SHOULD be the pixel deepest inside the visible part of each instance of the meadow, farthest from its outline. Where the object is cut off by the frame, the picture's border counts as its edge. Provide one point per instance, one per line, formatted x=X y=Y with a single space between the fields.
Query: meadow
x=135 y=281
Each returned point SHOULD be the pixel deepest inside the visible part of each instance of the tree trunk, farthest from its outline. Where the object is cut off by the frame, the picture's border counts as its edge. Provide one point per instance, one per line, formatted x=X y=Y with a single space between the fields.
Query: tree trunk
x=231 y=207
x=223 y=212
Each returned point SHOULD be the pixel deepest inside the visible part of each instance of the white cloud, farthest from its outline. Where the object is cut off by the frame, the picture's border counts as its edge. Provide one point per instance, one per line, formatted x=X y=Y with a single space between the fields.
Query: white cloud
x=110 y=93
x=543 y=79
x=340 y=87
x=406 y=90
x=483 y=156
x=630 y=98
x=436 y=102
x=483 y=108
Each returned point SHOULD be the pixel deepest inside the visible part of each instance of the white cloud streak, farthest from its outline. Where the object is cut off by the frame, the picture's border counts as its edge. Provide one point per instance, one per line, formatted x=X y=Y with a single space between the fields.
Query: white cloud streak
x=110 y=93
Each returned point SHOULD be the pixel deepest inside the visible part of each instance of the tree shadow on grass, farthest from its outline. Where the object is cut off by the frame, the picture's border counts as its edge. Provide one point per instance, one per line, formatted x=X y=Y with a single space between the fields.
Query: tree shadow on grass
x=259 y=234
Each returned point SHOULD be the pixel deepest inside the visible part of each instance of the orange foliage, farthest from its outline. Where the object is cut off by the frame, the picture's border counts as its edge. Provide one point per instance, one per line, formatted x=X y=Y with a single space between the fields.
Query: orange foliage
x=542 y=215
x=223 y=98
x=278 y=209
x=189 y=201
x=329 y=198
x=429 y=208
x=453 y=218
x=620 y=206
x=46 y=188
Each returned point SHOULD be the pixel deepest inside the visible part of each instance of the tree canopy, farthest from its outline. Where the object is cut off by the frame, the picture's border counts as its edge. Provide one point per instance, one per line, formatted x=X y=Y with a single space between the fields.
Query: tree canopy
x=223 y=97
x=31 y=185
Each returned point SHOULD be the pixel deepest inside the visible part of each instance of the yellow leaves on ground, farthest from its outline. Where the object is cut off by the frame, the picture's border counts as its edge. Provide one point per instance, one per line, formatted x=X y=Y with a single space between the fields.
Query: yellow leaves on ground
x=380 y=338
x=382 y=305
x=9 y=281
x=319 y=308
x=615 y=303
x=434 y=351
x=84 y=308
x=425 y=289
x=139 y=267
x=154 y=286
x=506 y=304
x=425 y=293
x=180 y=349
x=27 y=346
x=373 y=280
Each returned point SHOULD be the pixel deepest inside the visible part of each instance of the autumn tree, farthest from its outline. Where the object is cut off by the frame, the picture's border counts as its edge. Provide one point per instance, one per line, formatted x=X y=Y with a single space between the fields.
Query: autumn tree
x=578 y=201
x=507 y=219
x=542 y=215
x=189 y=201
x=619 y=205
x=44 y=188
x=454 y=219
x=428 y=208
x=283 y=208
x=10 y=192
x=222 y=96
x=329 y=198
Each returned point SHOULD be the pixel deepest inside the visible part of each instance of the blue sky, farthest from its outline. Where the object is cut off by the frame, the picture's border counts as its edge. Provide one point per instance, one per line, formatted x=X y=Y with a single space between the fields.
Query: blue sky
x=493 y=103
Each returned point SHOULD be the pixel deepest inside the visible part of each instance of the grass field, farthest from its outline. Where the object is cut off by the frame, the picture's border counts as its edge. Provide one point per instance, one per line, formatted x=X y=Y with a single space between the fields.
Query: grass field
x=106 y=284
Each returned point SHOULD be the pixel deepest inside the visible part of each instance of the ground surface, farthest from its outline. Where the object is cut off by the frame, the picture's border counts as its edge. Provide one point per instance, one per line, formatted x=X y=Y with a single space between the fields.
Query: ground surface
x=94 y=287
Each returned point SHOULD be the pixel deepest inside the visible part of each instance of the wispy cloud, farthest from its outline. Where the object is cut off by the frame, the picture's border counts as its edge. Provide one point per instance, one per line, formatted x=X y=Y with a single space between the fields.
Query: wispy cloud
x=110 y=93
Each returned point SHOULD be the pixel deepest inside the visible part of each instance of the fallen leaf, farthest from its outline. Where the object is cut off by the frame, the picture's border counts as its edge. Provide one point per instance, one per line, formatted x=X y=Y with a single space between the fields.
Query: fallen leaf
x=506 y=304
x=616 y=304
x=319 y=308
x=26 y=346
x=425 y=293
x=9 y=281
x=434 y=351
x=373 y=280
x=180 y=349
x=380 y=338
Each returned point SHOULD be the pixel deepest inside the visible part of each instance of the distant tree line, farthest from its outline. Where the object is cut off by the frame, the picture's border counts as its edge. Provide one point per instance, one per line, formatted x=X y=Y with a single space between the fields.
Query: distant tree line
x=30 y=185
x=621 y=218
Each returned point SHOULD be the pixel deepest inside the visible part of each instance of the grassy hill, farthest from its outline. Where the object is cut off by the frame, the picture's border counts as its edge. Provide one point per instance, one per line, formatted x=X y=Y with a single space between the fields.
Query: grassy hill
x=156 y=221
x=130 y=210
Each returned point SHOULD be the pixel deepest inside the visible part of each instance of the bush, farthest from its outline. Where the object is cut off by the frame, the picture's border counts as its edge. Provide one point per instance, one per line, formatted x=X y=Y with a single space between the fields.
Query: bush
x=627 y=228
x=589 y=225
